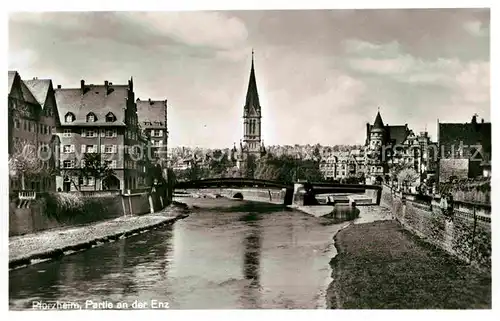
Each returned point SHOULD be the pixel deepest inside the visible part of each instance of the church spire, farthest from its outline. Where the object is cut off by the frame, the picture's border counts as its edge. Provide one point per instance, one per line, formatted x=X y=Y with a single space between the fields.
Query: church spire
x=252 y=94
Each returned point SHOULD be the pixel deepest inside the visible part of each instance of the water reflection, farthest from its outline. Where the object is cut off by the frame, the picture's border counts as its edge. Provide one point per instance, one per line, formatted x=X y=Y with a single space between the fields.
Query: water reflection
x=226 y=254
x=251 y=260
x=112 y=272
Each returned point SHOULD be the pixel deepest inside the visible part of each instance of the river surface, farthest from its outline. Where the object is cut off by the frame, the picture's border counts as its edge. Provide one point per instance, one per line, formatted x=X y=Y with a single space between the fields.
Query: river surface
x=227 y=254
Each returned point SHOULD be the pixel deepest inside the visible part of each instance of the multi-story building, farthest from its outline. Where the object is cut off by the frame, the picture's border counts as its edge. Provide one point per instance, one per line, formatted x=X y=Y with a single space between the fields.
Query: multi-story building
x=386 y=146
x=98 y=119
x=327 y=167
x=342 y=165
x=464 y=150
x=32 y=120
x=152 y=115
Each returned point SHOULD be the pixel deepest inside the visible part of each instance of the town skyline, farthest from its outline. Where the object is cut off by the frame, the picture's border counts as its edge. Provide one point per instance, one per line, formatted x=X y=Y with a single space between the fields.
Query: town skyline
x=334 y=64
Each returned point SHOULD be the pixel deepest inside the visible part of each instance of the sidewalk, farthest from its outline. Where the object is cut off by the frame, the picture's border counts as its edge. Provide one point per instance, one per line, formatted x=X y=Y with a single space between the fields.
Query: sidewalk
x=382 y=266
x=30 y=248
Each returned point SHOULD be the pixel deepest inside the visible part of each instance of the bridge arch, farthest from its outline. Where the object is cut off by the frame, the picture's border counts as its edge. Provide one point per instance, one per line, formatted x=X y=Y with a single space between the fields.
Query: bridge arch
x=238 y=195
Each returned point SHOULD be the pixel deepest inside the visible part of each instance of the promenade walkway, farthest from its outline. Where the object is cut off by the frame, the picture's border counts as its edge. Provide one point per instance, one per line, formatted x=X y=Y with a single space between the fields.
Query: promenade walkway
x=31 y=248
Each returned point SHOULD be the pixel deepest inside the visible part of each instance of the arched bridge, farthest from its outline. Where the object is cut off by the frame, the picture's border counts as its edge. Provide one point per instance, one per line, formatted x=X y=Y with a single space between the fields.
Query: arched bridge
x=231 y=182
x=290 y=188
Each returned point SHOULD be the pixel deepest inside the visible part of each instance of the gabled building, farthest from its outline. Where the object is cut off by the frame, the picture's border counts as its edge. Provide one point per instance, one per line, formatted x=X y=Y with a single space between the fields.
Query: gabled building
x=387 y=146
x=32 y=121
x=99 y=119
x=152 y=115
x=464 y=149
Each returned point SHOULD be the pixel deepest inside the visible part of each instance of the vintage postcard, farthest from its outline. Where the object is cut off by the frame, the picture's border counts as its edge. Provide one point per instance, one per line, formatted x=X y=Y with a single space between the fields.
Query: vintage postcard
x=256 y=159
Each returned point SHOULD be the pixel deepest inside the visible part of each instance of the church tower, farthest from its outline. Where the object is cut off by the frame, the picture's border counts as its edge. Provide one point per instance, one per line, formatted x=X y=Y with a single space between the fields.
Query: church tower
x=375 y=162
x=252 y=117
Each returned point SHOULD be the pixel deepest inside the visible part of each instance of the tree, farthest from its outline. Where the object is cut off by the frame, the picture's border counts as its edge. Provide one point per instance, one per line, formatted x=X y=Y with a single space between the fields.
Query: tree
x=24 y=163
x=407 y=177
x=219 y=164
x=94 y=167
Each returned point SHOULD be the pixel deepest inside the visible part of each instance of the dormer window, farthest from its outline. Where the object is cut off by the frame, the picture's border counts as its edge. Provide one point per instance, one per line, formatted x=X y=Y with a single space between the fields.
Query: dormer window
x=91 y=118
x=110 y=117
x=69 y=118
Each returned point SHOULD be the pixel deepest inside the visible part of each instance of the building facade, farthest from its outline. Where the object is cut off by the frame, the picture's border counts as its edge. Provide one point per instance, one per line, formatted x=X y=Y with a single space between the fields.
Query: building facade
x=32 y=122
x=99 y=119
x=398 y=146
x=152 y=115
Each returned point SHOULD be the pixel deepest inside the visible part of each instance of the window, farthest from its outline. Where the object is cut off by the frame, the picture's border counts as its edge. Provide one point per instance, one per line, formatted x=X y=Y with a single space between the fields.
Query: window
x=69 y=118
x=112 y=164
x=67 y=149
x=68 y=164
x=17 y=124
x=156 y=133
x=29 y=126
x=91 y=149
x=110 y=132
x=67 y=133
x=89 y=133
x=90 y=181
x=25 y=125
x=82 y=164
x=110 y=117
x=108 y=149
x=91 y=118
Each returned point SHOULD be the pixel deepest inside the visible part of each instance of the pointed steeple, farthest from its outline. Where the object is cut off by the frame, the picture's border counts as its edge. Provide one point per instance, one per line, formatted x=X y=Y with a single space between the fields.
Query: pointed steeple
x=378 y=124
x=252 y=94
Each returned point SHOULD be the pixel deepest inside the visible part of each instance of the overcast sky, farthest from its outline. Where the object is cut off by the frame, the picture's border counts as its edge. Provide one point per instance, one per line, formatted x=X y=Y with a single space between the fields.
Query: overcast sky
x=321 y=75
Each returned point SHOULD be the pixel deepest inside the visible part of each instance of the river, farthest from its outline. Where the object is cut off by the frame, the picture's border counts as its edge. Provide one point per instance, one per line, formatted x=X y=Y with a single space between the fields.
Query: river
x=227 y=254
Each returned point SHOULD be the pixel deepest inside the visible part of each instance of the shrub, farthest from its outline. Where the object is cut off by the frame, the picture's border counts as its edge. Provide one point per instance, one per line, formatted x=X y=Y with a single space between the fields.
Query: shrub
x=71 y=207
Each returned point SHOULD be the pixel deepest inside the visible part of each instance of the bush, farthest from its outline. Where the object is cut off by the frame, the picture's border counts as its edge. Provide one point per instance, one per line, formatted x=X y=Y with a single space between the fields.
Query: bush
x=70 y=207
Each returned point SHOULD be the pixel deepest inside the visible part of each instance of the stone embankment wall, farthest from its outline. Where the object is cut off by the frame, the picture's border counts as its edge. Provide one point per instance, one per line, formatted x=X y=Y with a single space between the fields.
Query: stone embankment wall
x=34 y=219
x=274 y=196
x=466 y=233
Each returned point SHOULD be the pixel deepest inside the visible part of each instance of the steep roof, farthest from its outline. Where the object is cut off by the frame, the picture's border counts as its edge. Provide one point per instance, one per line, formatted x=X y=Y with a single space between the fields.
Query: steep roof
x=151 y=110
x=27 y=95
x=252 y=98
x=10 y=82
x=95 y=100
x=398 y=134
x=39 y=88
x=378 y=124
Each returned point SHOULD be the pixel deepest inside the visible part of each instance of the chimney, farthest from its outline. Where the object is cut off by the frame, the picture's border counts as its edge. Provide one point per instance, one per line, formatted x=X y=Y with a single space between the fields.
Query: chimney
x=58 y=86
x=82 y=86
x=474 y=119
x=106 y=87
x=482 y=120
x=150 y=101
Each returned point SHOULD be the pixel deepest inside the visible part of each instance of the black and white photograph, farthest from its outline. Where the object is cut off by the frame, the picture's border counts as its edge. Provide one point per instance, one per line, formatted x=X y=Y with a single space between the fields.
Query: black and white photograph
x=249 y=159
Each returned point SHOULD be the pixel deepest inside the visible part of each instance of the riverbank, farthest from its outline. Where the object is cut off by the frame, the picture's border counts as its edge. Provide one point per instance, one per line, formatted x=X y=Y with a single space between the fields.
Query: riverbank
x=33 y=248
x=380 y=265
